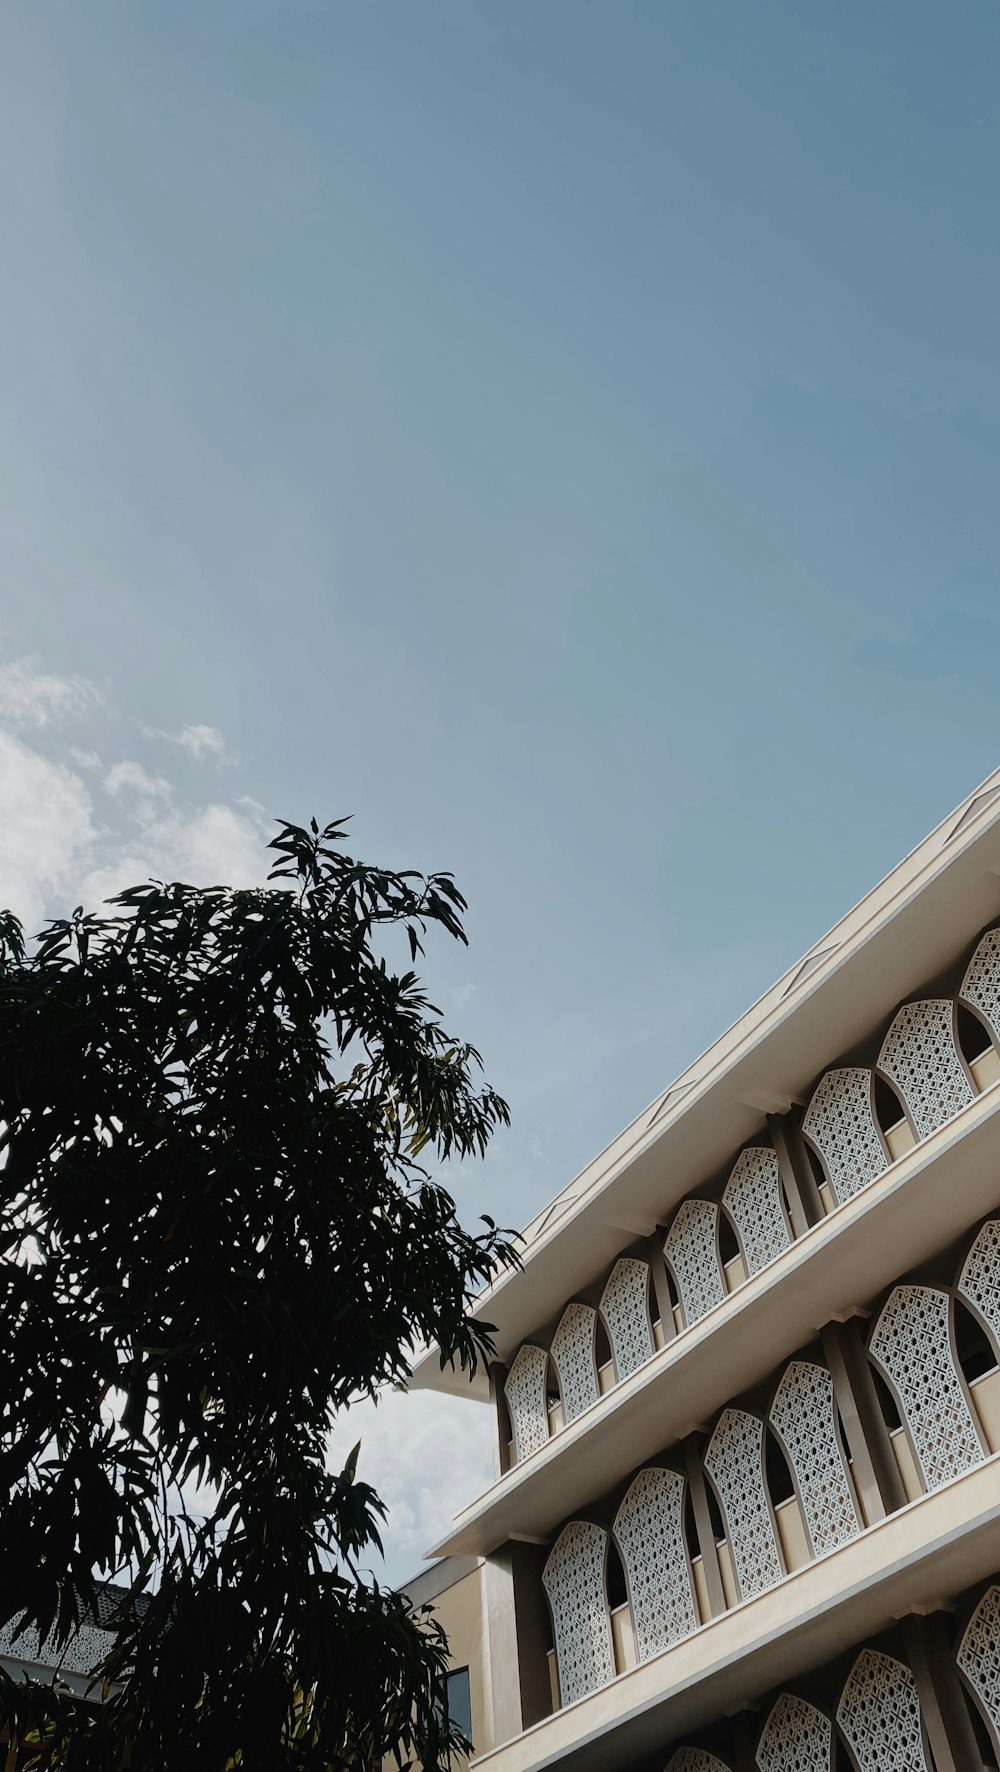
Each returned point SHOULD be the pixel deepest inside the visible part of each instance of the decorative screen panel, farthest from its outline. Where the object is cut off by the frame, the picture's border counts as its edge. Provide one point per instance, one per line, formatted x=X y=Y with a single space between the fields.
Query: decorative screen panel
x=978 y=1656
x=879 y=1715
x=804 y=1417
x=649 y=1531
x=692 y=1249
x=573 y=1357
x=84 y=1651
x=734 y=1460
x=574 y=1583
x=920 y=1056
x=753 y=1199
x=979 y=1281
x=840 y=1122
x=981 y=984
x=911 y=1343
x=796 y=1738
x=695 y=1759
x=625 y=1309
x=524 y=1390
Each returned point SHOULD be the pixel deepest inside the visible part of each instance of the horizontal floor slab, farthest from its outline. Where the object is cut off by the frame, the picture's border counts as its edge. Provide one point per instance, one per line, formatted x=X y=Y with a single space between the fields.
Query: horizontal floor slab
x=918 y=1559
x=925 y=1200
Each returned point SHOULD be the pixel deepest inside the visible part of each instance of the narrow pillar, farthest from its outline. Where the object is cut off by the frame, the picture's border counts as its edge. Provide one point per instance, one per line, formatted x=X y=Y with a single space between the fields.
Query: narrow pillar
x=859 y=1437
x=501 y=1448
x=796 y=1172
x=516 y=1630
x=661 y=1288
x=948 y=1724
x=846 y=1354
x=704 y=1528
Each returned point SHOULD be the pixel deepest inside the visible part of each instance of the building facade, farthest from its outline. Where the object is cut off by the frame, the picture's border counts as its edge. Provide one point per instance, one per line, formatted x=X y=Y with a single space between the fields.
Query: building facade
x=746 y=1405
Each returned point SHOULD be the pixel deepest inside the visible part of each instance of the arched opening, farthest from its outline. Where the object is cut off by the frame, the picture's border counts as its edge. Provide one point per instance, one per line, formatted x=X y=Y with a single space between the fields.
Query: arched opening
x=978 y=1363
x=602 y=1356
x=973 y=1039
x=553 y=1397
x=675 y=1301
x=889 y=1110
x=787 y=1511
x=730 y=1253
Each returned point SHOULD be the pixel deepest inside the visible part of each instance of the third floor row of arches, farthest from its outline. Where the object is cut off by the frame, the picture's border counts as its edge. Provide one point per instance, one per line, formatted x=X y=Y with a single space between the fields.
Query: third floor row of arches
x=853 y=1428
x=937 y=1054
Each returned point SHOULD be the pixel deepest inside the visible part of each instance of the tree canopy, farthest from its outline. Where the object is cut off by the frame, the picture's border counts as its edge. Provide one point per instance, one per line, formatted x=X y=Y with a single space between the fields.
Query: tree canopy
x=221 y=1221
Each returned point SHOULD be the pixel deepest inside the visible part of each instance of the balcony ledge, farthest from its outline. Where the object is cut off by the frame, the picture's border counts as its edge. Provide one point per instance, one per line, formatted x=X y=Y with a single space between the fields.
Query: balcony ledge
x=909 y=927
x=926 y=1199
x=918 y=1558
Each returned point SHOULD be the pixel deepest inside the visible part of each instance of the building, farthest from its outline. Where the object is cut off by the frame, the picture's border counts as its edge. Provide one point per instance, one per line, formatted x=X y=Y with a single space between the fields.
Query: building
x=746 y=1406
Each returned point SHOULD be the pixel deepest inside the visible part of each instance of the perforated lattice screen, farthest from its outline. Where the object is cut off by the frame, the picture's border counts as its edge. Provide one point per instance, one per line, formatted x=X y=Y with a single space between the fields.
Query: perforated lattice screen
x=919 y=1055
x=524 y=1390
x=796 y=1738
x=573 y=1357
x=692 y=1250
x=649 y=1531
x=625 y=1309
x=734 y=1460
x=574 y=1582
x=804 y=1416
x=879 y=1715
x=753 y=1199
x=840 y=1123
x=912 y=1344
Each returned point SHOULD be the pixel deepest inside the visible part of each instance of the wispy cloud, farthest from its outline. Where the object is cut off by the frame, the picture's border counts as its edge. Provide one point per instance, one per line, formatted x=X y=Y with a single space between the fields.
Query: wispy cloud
x=131 y=776
x=33 y=698
x=202 y=742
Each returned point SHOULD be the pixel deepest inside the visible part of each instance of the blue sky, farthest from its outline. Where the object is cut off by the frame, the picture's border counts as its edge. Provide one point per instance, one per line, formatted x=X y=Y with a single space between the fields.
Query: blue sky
x=564 y=435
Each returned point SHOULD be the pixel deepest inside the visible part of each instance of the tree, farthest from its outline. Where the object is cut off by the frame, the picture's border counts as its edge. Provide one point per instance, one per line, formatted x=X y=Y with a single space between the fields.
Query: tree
x=216 y=1231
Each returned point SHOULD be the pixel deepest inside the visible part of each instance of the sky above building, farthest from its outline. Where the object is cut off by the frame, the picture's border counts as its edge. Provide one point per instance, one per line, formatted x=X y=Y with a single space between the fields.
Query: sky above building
x=563 y=436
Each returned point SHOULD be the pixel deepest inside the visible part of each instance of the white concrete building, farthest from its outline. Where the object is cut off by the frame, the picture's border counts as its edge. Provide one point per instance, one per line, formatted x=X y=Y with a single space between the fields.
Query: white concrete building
x=746 y=1406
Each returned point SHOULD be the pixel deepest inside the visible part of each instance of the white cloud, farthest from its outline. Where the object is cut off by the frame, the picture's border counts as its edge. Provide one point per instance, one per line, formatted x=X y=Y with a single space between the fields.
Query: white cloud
x=34 y=698
x=214 y=846
x=48 y=832
x=202 y=742
x=426 y=1455
x=463 y=994
x=131 y=776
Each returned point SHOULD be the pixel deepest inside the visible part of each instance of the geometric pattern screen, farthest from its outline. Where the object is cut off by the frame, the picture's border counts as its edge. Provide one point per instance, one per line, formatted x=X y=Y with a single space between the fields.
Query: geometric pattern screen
x=912 y=1346
x=879 y=1715
x=573 y=1579
x=573 y=1358
x=840 y=1123
x=796 y=1738
x=734 y=1460
x=981 y=984
x=804 y=1418
x=754 y=1202
x=524 y=1392
x=625 y=1309
x=979 y=1657
x=692 y=1251
x=649 y=1532
x=920 y=1056
x=979 y=1281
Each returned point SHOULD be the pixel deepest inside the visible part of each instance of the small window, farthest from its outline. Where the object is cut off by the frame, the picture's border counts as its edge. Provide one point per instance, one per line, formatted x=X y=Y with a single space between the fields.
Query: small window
x=458 y=1701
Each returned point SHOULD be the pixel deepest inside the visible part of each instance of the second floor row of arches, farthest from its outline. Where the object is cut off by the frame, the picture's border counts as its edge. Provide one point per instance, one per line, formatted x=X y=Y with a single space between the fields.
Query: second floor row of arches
x=936 y=1056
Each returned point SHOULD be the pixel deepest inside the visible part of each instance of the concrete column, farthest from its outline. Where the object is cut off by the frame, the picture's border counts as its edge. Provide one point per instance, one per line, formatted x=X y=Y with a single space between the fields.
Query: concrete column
x=501 y=1450
x=661 y=1290
x=703 y=1526
x=518 y=1639
x=878 y=1475
x=946 y=1719
x=862 y=1462
x=796 y=1172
